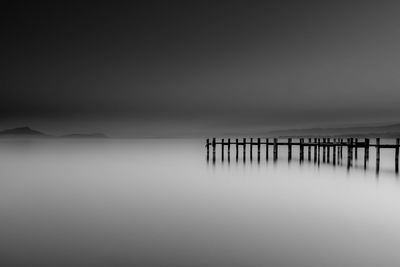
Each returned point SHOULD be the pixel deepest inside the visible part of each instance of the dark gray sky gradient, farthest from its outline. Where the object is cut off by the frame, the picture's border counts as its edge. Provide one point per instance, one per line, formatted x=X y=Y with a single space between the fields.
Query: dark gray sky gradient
x=197 y=58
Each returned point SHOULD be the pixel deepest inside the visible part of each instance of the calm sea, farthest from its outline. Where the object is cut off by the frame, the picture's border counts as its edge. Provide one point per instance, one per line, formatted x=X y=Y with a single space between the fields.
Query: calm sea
x=158 y=202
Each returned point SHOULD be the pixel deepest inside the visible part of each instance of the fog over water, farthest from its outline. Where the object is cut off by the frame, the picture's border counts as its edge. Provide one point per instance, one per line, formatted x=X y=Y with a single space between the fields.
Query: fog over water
x=159 y=203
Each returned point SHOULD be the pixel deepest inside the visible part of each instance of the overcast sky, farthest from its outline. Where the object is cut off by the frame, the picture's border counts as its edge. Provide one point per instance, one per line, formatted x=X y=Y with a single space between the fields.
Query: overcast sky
x=200 y=58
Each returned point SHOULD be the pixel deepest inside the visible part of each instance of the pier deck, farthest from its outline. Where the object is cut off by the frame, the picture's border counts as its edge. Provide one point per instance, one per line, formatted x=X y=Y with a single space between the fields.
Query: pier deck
x=330 y=147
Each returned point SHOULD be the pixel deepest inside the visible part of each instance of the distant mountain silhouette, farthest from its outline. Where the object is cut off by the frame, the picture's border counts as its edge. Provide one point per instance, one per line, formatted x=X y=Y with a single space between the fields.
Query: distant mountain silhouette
x=22 y=131
x=388 y=131
x=92 y=135
x=28 y=132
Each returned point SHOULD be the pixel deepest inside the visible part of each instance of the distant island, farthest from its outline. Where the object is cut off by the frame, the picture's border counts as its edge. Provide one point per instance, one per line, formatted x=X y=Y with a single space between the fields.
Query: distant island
x=92 y=135
x=22 y=131
x=28 y=132
x=386 y=131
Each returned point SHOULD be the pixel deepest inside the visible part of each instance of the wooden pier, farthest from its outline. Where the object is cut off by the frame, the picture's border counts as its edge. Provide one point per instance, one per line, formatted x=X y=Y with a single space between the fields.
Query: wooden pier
x=332 y=149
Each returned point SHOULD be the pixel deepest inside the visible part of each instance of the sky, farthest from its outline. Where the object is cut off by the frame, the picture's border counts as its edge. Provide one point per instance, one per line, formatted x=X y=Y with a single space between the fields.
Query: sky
x=231 y=62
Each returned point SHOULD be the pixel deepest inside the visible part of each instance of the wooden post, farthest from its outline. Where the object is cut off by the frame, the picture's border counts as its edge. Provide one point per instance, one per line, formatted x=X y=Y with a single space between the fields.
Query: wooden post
x=244 y=149
x=258 y=148
x=328 y=150
x=378 y=154
x=323 y=150
x=397 y=155
x=366 y=152
x=334 y=151
x=237 y=149
x=208 y=149
x=214 y=147
x=222 y=149
x=366 y=148
x=266 y=148
x=275 y=148
x=356 y=149
x=349 y=152
x=319 y=150
x=301 y=149
x=251 y=148
x=229 y=150
x=338 y=150
x=315 y=150
x=289 y=149
x=344 y=145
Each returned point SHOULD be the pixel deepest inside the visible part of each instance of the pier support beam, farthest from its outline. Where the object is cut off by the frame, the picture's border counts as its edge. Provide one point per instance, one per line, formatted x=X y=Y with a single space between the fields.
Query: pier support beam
x=237 y=149
x=356 y=149
x=334 y=152
x=229 y=149
x=349 y=152
x=397 y=155
x=251 y=149
x=378 y=154
x=301 y=149
x=214 y=147
x=328 y=148
x=366 y=152
x=222 y=149
x=244 y=149
x=208 y=149
x=315 y=150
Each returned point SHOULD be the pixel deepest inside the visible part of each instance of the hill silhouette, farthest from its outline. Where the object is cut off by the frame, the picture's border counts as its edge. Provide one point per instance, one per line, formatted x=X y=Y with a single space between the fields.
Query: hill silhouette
x=22 y=131
x=28 y=132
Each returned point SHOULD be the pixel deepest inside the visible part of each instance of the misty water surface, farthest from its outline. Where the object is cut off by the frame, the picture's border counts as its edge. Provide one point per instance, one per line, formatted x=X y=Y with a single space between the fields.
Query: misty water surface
x=159 y=203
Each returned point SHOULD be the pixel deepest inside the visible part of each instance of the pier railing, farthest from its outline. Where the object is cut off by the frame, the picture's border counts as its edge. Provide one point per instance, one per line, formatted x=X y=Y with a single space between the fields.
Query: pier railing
x=331 y=147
